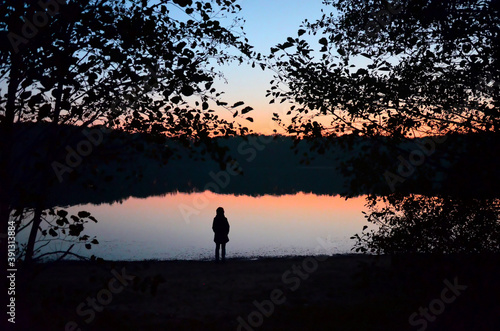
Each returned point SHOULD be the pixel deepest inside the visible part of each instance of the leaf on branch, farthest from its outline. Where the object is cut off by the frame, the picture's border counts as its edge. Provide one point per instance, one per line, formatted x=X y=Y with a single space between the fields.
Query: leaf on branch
x=246 y=110
x=187 y=90
x=75 y=229
x=176 y=99
x=285 y=45
x=239 y=103
x=62 y=213
x=183 y=3
x=25 y=95
x=249 y=119
x=180 y=46
x=83 y=214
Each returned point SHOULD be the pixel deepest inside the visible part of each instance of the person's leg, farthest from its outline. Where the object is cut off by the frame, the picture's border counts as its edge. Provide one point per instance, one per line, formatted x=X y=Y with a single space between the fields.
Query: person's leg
x=223 y=252
x=217 y=247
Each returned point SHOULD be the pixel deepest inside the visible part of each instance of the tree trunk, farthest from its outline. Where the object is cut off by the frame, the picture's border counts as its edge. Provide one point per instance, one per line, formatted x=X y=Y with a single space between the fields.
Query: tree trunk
x=37 y=220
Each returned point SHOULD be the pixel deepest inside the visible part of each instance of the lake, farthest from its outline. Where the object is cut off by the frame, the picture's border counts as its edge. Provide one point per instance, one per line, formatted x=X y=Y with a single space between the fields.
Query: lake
x=147 y=209
x=178 y=226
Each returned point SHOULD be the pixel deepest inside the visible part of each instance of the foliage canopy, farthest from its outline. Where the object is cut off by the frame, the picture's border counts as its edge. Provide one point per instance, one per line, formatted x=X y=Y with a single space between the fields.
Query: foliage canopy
x=376 y=68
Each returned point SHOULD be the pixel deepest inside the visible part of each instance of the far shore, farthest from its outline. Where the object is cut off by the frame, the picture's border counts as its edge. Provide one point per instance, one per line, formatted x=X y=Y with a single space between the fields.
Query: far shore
x=339 y=292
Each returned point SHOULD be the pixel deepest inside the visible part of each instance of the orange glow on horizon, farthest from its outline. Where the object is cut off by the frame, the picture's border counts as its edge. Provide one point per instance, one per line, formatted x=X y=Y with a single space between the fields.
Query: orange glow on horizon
x=293 y=202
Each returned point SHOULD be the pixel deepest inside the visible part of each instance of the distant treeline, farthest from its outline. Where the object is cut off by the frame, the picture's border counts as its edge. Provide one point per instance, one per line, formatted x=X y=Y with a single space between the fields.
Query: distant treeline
x=96 y=165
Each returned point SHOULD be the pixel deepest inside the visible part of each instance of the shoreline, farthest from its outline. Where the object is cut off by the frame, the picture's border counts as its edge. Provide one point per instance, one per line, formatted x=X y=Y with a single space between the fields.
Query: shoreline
x=237 y=258
x=340 y=292
x=284 y=257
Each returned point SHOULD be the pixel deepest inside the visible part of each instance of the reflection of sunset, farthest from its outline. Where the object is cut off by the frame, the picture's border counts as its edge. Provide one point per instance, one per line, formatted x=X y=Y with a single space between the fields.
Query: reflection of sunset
x=179 y=225
x=305 y=203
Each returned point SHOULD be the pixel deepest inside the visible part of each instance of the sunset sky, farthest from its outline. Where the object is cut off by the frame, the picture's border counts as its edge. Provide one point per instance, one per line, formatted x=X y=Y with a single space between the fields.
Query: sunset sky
x=268 y=23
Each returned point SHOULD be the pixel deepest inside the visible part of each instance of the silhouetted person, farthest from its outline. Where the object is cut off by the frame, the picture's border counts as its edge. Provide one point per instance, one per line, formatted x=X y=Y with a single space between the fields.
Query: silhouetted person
x=221 y=230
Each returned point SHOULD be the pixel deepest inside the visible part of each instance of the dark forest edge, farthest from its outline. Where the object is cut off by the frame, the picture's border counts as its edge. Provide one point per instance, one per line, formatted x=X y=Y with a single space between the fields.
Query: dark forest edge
x=93 y=165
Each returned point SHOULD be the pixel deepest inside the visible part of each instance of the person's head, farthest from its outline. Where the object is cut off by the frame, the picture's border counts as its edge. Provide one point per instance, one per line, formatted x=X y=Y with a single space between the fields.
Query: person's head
x=220 y=211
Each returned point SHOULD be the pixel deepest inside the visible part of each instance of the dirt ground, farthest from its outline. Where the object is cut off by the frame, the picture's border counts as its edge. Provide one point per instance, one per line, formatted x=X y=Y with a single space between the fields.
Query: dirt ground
x=343 y=292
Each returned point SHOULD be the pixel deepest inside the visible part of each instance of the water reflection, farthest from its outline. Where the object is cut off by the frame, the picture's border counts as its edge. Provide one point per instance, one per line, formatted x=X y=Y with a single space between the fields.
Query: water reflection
x=156 y=227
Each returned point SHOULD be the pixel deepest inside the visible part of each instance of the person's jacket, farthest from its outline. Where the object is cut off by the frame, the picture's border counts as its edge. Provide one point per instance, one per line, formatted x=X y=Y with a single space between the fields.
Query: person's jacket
x=221 y=229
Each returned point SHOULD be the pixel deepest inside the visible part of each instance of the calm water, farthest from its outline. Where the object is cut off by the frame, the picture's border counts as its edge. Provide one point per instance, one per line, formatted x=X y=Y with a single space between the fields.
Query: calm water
x=178 y=226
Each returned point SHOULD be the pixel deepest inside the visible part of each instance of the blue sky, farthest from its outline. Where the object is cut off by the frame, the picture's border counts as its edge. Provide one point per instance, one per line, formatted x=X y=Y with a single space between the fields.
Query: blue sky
x=267 y=24
x=270 y=22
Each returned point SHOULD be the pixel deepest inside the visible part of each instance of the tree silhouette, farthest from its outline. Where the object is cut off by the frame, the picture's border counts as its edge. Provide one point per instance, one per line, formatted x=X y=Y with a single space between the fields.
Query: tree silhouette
x=421 y=67
x=437 y=225
x=134 y=66
x=56 y=229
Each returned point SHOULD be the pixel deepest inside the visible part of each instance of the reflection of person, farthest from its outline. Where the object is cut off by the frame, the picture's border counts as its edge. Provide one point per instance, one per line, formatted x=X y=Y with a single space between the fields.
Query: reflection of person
x=221 y=230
